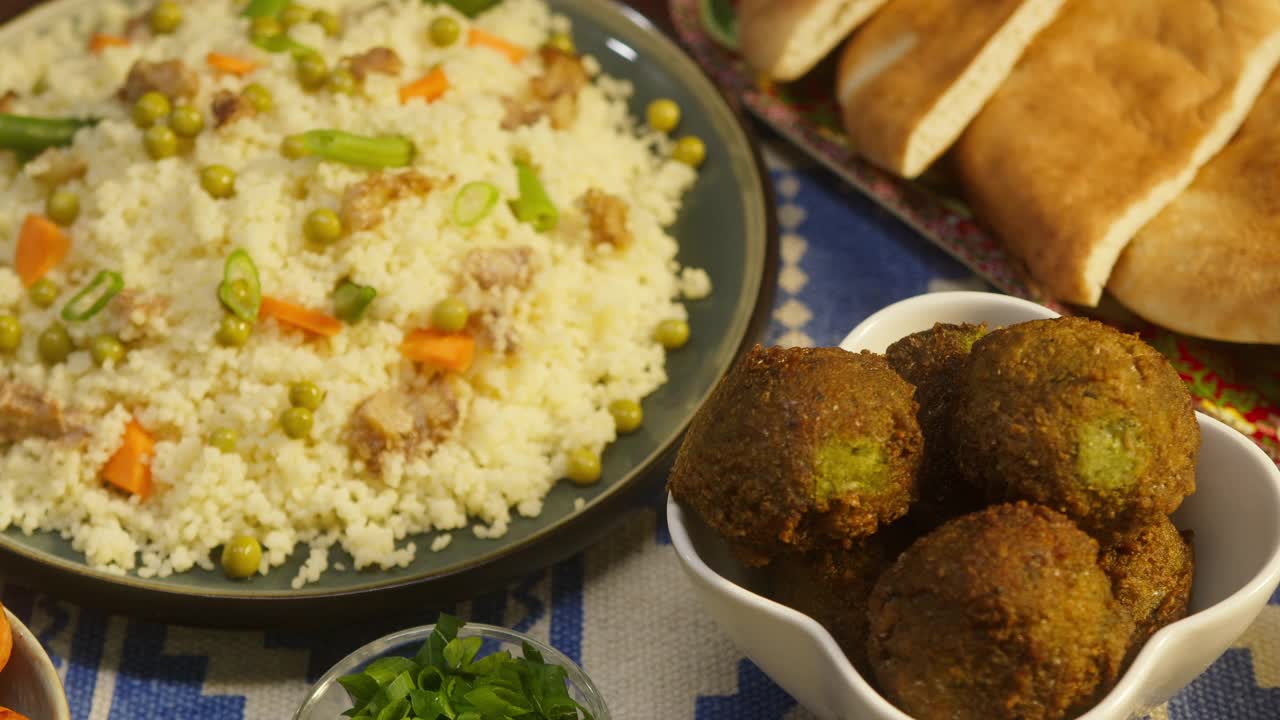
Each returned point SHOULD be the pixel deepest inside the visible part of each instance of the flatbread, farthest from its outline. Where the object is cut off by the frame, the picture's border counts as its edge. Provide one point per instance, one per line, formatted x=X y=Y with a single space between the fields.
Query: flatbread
x=1209 y=264
x=918 y=72
x=784 y=39
x=1105 y=120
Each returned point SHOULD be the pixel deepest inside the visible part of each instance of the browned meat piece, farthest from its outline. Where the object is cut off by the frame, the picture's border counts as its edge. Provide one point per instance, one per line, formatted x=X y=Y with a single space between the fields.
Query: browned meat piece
x=492 y=268
x=56 y=166
x=27 y=413
x=137 y=26
x=552 y=94
x=6 y=101
x=400 y=420
x=375 y=60
x=229 y=107
x=170 y=77
x=139 y=308
x=363 y=203
x=607 y=216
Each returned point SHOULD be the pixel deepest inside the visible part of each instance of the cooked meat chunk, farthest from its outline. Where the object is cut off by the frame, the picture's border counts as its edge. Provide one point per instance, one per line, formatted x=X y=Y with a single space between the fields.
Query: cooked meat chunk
x=363 y=202
x=26 y=413
x=172 y=78
x=229 y=107
x=492 y=268
x=56 y=166
x=6 y=101
x=375 y=60
x=607 y=215
x=400 y=420
x=137 y=26
x=553 y=94
x=139 y=308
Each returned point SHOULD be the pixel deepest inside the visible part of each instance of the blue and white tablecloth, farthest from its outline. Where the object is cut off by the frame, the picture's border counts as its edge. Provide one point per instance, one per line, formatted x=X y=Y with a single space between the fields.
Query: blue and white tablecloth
x=623 y=608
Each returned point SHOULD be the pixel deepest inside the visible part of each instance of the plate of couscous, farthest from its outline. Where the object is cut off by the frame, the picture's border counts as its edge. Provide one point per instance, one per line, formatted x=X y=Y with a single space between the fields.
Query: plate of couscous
x=347 y=304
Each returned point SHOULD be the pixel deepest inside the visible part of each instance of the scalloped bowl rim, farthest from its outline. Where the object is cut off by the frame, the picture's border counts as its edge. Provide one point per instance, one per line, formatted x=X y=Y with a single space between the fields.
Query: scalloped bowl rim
x=1128 y=688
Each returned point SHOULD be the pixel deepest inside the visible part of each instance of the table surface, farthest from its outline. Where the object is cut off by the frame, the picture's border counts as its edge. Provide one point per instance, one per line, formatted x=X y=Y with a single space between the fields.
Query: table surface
x=622 y=608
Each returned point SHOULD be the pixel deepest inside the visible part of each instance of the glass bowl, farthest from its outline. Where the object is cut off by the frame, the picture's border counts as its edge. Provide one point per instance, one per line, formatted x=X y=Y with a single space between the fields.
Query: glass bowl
x=328 y=699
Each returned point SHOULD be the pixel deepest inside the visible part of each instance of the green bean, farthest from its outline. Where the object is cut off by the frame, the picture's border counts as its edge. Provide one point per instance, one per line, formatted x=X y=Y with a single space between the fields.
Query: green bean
x=94 y=297
x=241 y=291
x=34 y=135
x=344 y=147
x=265 y=8
x=533 y=206
x=470 y=8
x=350 y=301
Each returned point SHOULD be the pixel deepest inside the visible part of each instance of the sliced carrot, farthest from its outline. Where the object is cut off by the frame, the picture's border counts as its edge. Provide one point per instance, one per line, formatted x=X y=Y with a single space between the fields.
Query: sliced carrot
x=480 y=38
x=231 y=64
x=7 y=714
x=102 y=41
x=428 y=87
x=41 y=246
x=130 y=468
x=297 y=316
x=447 y=351
x=6 y=641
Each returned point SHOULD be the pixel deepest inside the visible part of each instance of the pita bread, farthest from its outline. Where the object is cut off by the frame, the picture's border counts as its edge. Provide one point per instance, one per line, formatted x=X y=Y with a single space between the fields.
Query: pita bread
x=1105 y=120
x=785 y=38
x=920 y=70
x=1209 y=264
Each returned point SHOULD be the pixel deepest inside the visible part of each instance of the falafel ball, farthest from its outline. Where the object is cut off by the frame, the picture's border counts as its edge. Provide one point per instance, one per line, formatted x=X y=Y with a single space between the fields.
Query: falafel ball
x=801 y=448
x=832 y=587
x=1000 y=614
x=1073 y=414
x=1151 y=570
x=933 y=360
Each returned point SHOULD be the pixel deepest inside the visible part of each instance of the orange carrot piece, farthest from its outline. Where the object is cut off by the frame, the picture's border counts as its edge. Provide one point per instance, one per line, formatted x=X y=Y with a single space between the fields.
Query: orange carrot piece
x=6 y=641
x=7 y=714
x=299 y=317
x=102 y=41
x=130 y=468
x=428 y=87
x=480 y=38
x=447 y=351
x=231 y=64
x=41 y=246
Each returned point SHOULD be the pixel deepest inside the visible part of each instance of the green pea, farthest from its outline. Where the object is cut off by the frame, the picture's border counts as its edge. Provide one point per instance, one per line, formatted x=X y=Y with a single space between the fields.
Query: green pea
x=672 y=334
x=233 y=332
x=224 y=439
x=450 y=315
x=258 y=96
x=149 y=109
x=106 y=349
x=444 y=31
x=297 y=422
x=341 y=81
x=562 y=42
x=294 y=147
x=161 y=142
x=294 y=14
x=627 y=415
x=331 y=23
x=584 y=467
x=663 y=115
x=689 y=150
x=241 y=557
x=186 y=121
x=322 y=226
x=265 y=27
x=44 y=292
x=306 y=395
x=218 y=180
x=10 y=333
x=166 y=16
x=54 y=344
x=62 y=207
x=313 y=71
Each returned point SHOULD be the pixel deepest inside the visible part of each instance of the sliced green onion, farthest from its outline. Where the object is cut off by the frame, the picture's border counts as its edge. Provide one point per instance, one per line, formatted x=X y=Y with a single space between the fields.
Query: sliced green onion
x=283 y=43
x=533 y=206
x=350 y=301
x=34 y=135
x=475 y=200
x=470 y=8
x=344 y=147
x=240 y=291
x=91 y=300
x=265 y=8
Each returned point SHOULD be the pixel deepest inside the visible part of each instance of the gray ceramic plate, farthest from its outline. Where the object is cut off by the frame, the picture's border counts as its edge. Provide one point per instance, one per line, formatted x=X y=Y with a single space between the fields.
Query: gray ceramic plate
x=726 y=226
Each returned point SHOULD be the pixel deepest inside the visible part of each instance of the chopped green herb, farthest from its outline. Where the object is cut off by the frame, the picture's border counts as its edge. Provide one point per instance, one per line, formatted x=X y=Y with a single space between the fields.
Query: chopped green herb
x=533 y=206
x=344 y=147
x=240 y=291
x=475 y=201
x=91 y=300
x=350 y=301
x=446 y=681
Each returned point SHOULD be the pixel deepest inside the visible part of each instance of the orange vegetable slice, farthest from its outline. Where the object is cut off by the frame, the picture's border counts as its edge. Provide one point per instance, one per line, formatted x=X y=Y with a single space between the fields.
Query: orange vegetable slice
x=447 y=351
x=6 y=641
x=41 y=246
x=429 y=87
x=480 y=38
x=130 y=468
x=299 y=317
x=231 y=64
x=101 y=41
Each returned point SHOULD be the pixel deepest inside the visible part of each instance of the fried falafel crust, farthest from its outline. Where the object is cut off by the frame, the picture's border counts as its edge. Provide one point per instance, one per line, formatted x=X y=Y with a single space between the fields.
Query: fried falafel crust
x=1151 y=570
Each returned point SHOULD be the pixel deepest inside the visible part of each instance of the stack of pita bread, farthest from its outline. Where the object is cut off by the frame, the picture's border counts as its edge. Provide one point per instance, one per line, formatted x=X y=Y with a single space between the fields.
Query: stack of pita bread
x=1131 y=145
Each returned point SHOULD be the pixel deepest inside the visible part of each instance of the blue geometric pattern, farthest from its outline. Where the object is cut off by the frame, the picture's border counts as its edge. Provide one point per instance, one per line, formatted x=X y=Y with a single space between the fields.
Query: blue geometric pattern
x=842 y=259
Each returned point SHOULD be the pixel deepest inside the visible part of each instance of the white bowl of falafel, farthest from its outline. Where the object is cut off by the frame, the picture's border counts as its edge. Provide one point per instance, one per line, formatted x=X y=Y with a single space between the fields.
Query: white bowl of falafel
x=973 y=509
